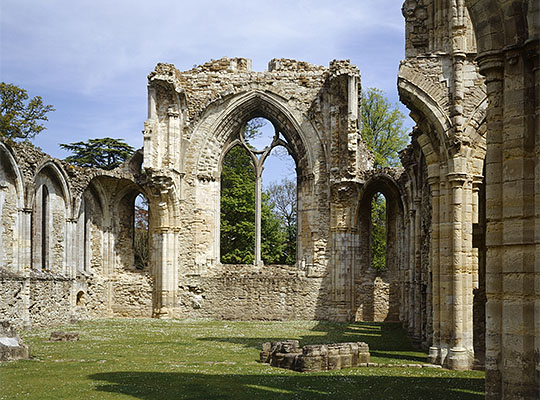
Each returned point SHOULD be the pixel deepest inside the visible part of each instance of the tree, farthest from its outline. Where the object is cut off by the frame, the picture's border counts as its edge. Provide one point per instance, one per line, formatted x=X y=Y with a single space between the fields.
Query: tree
x=382 y=128
x=385 y=136
x=283 y=201
x=378 y=232
x=140 y=233
x=238 y=210
x=20 y=119
x=105 y=153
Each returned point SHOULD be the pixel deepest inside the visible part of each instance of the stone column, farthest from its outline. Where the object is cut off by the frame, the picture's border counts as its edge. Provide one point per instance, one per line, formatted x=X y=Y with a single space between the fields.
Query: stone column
x=165 y=274
x=445 y=283
x=71 y=248
x=25 y=260
x=492 y=68
x=411 y=272
x=417 y=333
x=258 y=214
x=518 y=225
x=435 y=349
x=173 y=138
x=459 y=355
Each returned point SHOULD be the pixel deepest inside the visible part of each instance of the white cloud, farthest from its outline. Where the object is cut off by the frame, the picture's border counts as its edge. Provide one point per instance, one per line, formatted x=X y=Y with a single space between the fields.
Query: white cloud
x=98 y=53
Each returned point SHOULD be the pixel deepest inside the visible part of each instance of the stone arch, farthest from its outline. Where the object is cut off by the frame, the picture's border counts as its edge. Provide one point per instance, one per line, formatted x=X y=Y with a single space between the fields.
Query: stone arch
x=500 y=25
x=49 y=227
x=56 y=172
x=235 y=112
x=9 y=161
x=11 y=206
x=377 y=292
x=90 y=216
x=218 y=131
x=428 y=112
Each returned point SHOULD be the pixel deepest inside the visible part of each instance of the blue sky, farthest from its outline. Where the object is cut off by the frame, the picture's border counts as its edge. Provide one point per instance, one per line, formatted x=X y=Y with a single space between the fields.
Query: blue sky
x=90 y=59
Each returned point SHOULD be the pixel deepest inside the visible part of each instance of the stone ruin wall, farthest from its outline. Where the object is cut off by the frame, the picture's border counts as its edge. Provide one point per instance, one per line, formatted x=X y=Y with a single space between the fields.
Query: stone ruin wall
x=98 y=278
x=246 y=292
x=71 y=288
x=194 y=117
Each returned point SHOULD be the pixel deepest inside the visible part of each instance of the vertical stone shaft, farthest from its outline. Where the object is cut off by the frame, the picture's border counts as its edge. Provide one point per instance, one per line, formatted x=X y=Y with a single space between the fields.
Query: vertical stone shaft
x=434 y=350
x=410 y=278
x=258 y=215
x=417 y=336
x=494 y=232
x=457 y=352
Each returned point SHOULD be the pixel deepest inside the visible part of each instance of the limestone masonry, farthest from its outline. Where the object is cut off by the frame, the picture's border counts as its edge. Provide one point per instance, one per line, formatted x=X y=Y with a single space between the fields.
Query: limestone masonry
x=463 y=211
x=314 y=357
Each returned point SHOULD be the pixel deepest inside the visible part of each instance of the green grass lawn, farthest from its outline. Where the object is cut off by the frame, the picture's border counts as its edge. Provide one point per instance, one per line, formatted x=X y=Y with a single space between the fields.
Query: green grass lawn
x=173 y=359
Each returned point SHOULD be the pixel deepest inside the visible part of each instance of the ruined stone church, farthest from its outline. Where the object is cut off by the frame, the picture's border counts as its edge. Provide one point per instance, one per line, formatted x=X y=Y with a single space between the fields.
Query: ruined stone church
x=463 y=212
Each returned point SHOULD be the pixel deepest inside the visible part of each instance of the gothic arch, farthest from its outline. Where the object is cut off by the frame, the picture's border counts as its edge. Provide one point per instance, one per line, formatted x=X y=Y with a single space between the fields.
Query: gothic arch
x=18 y=179
x=377 y=292
x=234 y=113
x=56 y=174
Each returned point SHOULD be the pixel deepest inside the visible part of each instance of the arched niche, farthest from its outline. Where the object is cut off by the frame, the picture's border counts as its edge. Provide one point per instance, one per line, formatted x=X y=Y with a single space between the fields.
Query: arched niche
x=132 y=287
x=11 y=201
x=90 y=228
x=50 y=210
x=377 y=291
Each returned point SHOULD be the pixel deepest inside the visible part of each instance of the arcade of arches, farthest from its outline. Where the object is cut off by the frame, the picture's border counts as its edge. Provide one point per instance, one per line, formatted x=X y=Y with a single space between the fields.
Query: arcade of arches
x=463 y=212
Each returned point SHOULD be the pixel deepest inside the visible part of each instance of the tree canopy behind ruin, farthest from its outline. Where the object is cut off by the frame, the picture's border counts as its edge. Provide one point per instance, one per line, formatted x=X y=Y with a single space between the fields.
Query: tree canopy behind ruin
x=238 y=211
x=106 y=153
x=21 y=118
x=382 y=128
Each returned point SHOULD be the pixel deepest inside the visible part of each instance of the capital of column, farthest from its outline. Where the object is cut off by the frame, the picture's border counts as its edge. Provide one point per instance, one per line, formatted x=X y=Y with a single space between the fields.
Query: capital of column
x=491 y=65
x=477 y=181
x=457 y=179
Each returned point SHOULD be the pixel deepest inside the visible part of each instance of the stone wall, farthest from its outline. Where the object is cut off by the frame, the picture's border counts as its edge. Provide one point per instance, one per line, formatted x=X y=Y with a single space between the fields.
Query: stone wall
x=246 y=292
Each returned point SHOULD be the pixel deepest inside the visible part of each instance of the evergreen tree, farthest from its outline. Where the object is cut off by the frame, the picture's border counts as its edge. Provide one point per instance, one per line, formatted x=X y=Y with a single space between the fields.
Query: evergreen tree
x=19 y=119
x=105 y=153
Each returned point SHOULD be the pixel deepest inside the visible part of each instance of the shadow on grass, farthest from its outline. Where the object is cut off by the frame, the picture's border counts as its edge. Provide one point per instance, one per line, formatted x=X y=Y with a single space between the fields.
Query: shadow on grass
x=385 y=339
x=171 y=385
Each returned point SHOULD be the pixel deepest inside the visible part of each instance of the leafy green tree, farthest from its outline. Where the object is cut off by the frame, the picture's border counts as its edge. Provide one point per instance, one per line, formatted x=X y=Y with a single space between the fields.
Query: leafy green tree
x=283 y=201
x=385 y=136
x=105 y=153
x=238 y=214
x=382 y=128
x=20 y=119
x=238 y=209
x=378 y=232
x=273 y=236
x=140 y=234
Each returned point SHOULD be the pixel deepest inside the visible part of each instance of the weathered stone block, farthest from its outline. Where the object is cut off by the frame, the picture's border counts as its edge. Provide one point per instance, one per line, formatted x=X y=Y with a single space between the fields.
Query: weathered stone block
x=313 y=358
x=60 y=336
x=11 y=346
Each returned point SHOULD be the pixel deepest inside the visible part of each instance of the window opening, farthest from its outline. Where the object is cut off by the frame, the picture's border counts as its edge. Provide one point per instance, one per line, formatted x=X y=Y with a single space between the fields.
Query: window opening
x=140 y=232
x=45 y=227
x=252 y=229
x=378 y=232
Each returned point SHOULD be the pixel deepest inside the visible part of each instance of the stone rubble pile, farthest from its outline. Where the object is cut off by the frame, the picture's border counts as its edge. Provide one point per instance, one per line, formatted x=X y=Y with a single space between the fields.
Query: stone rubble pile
x=316 y=357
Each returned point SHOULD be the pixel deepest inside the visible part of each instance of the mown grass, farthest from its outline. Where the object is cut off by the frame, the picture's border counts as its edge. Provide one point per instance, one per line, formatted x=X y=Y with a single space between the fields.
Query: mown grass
x=173 y=359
